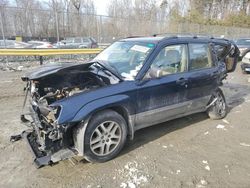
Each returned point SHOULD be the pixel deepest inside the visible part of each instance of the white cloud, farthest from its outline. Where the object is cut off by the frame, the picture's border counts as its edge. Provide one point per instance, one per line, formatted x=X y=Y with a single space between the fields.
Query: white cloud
x=101 y=6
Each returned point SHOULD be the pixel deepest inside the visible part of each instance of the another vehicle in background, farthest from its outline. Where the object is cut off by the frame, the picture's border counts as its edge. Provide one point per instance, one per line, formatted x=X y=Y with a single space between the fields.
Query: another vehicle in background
x=245 y=65
x=40 y=44
x=78 y=42
x=13 y=44
x=244 y=46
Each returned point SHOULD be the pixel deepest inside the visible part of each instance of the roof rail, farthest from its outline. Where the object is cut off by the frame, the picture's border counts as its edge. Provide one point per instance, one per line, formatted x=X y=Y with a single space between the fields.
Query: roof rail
x=134 y=36
x=176 y=35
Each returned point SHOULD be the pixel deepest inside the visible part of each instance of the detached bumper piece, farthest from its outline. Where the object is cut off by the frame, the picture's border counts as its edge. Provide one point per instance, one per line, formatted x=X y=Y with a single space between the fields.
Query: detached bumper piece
x=43 y=159
x=40 y=159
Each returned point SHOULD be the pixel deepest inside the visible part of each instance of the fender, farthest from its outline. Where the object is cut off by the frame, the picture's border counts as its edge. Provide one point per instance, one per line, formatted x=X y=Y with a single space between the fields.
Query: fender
x=99 y=104
x=108 y=102
x=85 y=113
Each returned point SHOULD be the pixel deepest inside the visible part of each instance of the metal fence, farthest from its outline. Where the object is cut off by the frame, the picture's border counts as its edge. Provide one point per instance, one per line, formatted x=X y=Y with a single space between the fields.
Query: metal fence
x=19 y=55
x=47 y=23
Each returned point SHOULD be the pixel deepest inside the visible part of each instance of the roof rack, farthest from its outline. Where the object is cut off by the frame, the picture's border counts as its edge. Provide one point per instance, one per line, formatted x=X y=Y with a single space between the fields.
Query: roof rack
x=134 y=36
x=176 y=35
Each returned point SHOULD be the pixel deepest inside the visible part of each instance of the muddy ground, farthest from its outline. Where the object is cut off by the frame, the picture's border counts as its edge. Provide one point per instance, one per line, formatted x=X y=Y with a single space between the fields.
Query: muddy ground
x=188 y=152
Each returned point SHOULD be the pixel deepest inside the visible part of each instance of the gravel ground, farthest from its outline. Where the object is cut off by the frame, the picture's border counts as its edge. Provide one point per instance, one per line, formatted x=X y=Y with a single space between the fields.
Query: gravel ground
x=188 y=152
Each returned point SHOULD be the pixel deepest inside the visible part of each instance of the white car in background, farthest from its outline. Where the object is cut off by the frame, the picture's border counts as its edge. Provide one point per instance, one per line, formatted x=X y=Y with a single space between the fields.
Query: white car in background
x=40 y=44
x=245 y=65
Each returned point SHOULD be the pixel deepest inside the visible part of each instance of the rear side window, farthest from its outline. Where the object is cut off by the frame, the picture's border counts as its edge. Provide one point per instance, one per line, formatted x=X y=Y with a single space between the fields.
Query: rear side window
x=200 y=56
x=85 y=40
x=78 y=40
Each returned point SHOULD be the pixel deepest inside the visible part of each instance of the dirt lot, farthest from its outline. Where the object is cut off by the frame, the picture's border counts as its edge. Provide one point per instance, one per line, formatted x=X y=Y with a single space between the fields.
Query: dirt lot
x=189 y=152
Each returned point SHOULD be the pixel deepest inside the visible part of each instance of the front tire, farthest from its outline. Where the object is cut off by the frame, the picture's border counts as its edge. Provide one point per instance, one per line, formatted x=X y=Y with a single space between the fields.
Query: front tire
x=219 y=109
x=105 y=136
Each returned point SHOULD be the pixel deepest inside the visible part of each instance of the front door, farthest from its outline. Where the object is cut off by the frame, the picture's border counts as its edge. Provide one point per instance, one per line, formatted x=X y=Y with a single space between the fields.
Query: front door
x=162 y=94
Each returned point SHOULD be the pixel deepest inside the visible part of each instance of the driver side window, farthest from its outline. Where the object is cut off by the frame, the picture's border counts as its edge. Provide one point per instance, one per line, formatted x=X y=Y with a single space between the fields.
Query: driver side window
x=170 y=60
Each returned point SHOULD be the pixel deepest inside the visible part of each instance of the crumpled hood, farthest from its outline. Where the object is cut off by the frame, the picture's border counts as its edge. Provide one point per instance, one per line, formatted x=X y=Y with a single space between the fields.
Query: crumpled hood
x=51 y=69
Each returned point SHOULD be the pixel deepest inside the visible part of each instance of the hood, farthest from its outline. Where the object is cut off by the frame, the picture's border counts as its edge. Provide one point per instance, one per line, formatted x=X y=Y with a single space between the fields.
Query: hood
x=51 y=69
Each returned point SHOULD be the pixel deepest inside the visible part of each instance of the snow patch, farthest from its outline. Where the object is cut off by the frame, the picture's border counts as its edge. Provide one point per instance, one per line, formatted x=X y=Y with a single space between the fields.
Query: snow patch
x=206 y=133
x=134 y=176
x=221 y=127
x=131 y=185
x=244 y=144
x=123 y=185
x=225 y=121
x=207 y=168
x=204 y=162
x=203 y=182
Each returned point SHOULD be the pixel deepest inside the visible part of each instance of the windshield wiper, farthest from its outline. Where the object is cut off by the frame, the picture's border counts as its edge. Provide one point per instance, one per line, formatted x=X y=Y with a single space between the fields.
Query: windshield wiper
x=110 y=68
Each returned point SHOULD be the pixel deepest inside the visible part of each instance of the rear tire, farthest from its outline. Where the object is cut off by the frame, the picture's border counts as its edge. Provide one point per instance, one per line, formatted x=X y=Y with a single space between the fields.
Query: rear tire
x=105 y=136
x=219 y=109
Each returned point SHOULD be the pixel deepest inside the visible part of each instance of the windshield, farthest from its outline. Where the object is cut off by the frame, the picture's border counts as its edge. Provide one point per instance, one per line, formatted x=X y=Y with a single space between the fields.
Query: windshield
x=126 y=57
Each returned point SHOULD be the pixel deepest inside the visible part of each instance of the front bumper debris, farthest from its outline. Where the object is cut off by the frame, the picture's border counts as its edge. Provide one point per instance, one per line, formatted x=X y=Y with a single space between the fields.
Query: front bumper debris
x=41 y=158
x=35 y=141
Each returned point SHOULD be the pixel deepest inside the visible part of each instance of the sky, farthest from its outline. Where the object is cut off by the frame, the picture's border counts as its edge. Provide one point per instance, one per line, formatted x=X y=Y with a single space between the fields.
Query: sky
x=101 y=6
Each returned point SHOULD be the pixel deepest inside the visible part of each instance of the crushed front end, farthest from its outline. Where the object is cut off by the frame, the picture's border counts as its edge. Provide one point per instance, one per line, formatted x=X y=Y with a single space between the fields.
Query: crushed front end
x=49 y=94
x=47 y=140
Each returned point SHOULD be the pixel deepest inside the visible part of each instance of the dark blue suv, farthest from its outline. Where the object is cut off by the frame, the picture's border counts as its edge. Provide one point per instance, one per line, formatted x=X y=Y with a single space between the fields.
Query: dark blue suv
x=91 y=109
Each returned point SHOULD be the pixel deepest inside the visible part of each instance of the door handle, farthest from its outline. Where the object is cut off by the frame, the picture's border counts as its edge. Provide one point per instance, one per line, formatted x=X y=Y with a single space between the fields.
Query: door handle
x=182 y=82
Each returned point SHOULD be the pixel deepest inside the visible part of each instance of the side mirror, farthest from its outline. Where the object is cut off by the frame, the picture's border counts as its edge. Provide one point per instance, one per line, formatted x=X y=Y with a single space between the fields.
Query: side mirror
x=154 y=72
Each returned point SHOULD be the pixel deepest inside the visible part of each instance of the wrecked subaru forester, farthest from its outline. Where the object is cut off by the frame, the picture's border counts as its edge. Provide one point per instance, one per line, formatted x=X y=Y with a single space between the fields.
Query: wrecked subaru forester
x=91 y=109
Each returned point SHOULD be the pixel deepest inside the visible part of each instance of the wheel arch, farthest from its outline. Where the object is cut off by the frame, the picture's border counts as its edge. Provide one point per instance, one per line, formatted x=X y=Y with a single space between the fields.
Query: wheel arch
x=119 y=107
x=121 y=110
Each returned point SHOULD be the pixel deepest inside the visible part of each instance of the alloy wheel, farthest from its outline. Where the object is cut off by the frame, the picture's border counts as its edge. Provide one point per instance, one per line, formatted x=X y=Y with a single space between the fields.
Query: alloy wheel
x=105 y=138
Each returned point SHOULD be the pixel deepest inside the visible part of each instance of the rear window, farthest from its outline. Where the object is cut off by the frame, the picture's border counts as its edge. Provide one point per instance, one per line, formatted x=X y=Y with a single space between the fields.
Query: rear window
x=85 y=40
x=78 y=40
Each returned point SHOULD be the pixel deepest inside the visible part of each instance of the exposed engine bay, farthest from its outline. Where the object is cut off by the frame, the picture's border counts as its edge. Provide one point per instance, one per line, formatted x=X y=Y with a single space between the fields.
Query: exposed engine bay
x=59 y=86
x=67 y=83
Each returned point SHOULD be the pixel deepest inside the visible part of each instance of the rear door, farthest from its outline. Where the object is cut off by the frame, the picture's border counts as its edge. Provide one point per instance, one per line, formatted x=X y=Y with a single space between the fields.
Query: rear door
x=203 y=75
